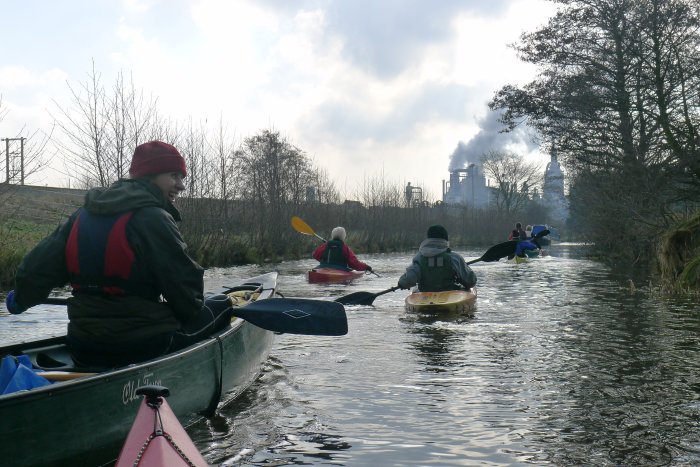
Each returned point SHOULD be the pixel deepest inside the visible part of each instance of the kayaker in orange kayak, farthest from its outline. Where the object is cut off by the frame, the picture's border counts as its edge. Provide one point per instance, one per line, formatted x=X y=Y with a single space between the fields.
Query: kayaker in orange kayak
x=335 y=253
x=436 y=268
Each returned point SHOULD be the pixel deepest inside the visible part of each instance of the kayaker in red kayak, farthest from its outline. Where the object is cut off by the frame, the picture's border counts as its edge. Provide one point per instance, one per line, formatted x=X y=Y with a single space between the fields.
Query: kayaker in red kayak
x=121 y=252
x=436 y=268
x=335 y=253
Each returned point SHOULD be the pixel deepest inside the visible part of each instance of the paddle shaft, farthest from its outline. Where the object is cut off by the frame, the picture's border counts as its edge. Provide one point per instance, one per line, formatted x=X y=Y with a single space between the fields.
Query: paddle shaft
x=386 y=291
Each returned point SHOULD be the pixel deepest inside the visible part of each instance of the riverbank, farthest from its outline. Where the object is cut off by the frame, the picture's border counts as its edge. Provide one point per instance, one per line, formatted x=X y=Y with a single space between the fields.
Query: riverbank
x=221 y=233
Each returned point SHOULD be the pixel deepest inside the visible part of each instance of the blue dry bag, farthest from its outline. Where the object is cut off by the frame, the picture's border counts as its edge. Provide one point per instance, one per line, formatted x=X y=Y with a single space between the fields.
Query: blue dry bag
x=16 y=374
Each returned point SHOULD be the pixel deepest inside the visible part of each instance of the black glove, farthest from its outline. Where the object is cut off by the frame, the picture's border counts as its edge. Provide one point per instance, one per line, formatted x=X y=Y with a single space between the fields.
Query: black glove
x=402 y=287
x=369 y=268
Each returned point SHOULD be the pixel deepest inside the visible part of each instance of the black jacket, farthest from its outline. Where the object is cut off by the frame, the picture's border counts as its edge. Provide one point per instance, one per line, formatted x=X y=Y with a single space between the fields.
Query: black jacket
x=159 y=249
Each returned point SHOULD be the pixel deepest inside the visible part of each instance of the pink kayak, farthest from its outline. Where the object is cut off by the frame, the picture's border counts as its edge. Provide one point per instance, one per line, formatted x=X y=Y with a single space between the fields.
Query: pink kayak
x=156 y=438
x=321 y=275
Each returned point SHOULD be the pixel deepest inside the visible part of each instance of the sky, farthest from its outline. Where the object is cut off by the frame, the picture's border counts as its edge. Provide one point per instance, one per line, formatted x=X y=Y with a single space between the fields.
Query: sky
x=396 y=89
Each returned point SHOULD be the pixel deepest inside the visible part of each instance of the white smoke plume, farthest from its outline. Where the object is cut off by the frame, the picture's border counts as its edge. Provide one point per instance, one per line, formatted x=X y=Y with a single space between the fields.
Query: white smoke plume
x=488 y=139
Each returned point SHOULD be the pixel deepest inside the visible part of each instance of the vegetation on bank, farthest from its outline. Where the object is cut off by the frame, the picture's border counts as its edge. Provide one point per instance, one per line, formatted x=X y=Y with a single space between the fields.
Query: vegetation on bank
x=17 y=237
x=241 y=232
x=679 y=257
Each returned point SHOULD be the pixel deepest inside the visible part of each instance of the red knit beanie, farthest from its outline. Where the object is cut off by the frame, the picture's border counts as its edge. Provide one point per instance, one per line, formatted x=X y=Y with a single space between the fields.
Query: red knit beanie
x=155 y=158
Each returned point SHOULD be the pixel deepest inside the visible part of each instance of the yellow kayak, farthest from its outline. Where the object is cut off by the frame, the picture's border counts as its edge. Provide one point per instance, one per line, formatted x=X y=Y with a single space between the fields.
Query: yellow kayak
x=448 y=301
x=518 y=259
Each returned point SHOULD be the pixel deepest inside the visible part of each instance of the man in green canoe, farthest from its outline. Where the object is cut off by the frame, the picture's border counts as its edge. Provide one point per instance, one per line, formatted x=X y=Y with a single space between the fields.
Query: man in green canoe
x=436 y=268
x=136 y=292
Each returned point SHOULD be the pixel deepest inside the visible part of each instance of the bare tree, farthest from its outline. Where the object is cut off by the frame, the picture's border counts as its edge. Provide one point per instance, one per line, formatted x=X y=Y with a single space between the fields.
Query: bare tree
x=513 y=177
x=101 y=129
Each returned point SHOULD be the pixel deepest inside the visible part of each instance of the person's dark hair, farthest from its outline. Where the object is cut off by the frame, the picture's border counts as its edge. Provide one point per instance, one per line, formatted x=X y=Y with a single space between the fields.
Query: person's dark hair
x=518 y=225
x=437 y=231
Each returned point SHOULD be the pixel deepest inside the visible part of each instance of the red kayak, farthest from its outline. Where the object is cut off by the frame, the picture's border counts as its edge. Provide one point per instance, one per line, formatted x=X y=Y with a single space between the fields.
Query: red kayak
x=156 y=438
x=321 y=275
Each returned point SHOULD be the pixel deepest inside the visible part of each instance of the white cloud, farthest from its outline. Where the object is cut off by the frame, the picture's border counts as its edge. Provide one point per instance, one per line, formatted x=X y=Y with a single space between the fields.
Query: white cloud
x=13 y=76
x=362 y=86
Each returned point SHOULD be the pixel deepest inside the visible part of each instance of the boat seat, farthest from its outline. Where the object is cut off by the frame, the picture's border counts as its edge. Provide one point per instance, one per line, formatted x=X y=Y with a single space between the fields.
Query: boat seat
x=57 y=357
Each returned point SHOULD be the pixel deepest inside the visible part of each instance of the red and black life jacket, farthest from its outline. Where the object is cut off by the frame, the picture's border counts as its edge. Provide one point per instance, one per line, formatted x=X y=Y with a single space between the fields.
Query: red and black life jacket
x=333 y=256
x=100 y=259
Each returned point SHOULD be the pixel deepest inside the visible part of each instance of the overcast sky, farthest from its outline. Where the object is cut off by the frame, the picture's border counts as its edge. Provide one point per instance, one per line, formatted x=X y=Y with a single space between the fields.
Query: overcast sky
x=367 y=88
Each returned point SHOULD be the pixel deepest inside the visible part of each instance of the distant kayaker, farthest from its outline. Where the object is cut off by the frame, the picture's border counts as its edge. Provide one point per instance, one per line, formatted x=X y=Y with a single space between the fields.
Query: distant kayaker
x=136 y=292
x=522 y=245
x=521 y=233
x=435 y=267
x=335 y=253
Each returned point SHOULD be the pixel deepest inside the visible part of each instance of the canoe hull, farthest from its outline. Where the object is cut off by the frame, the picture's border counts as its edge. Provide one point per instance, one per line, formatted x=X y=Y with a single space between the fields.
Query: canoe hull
x=449 y=301
x=85 y=421
x=330 y=275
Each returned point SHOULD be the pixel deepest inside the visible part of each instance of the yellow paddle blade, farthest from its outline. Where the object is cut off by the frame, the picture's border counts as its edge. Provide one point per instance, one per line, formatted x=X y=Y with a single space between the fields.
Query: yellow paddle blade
x=301 y=226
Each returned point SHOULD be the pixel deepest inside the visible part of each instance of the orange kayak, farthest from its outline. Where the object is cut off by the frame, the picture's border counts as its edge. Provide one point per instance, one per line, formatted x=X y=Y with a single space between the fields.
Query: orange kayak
x=321 y=275
x=156 y=438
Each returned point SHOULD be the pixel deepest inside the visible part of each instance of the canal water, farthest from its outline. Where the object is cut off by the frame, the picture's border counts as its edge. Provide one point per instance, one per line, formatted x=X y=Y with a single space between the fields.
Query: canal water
x=563 y=363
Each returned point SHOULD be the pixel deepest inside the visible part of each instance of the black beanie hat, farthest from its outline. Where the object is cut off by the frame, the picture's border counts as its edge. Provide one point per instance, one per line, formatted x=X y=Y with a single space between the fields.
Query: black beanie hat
x=437 y=231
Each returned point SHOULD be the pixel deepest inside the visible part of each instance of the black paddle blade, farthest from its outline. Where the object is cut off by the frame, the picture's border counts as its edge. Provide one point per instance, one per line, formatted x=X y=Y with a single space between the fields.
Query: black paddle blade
x=357 y=298
x=296 y=316
x=539 y=235
x=362 y=298
x=497 y=252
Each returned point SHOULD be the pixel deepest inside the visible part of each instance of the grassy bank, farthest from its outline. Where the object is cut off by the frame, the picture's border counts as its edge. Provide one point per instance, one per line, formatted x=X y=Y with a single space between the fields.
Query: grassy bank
x=17 y=237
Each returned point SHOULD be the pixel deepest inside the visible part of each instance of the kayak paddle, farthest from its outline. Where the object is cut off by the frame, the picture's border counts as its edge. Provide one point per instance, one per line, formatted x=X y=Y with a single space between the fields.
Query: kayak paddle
x=496 y=252
x=362 y=298
x=296 y=316
x=504 y=249
x=303 y=228
x=286 y=315
x=539 y=235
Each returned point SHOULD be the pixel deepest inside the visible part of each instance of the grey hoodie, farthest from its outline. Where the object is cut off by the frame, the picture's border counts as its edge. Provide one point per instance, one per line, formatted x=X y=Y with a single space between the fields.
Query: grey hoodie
x=433 y=247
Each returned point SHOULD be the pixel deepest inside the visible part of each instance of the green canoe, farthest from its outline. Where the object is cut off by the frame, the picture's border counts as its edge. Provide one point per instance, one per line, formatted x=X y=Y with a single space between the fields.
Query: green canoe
x=85 y=419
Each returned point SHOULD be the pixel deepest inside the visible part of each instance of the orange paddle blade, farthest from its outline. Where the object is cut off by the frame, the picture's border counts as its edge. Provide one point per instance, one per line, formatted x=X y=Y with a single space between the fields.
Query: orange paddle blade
x=301 y=226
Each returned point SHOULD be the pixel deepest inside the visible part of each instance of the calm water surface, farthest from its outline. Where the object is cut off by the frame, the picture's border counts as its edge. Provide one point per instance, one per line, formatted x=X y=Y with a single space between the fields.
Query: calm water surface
x=562 y=364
